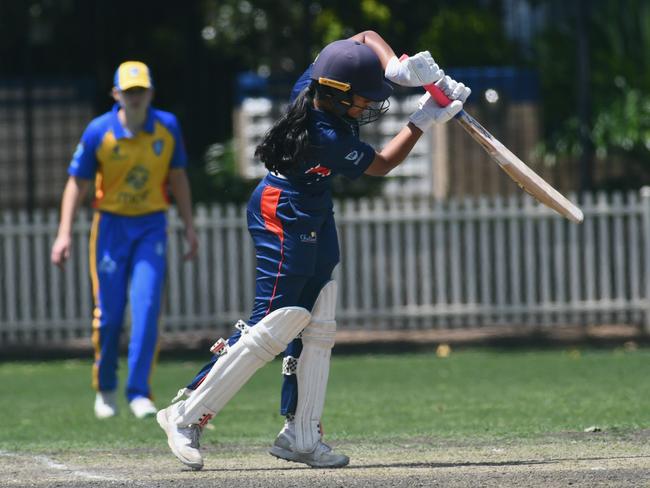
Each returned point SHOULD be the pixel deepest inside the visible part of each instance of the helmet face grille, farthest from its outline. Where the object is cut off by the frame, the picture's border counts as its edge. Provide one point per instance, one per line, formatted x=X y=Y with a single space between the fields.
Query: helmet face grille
x=341 y=102
x=373 y=111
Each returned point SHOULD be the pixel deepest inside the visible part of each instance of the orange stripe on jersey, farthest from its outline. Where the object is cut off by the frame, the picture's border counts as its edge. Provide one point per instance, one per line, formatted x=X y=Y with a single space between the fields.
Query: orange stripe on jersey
x=270 y=198
x=269 y=204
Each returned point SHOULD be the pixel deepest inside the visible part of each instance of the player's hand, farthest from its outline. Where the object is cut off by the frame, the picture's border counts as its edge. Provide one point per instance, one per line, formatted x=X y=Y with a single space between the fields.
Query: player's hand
x=429 y=112
x=61 y=250
x=453 y=89
x=193 y=243
x=418 y=70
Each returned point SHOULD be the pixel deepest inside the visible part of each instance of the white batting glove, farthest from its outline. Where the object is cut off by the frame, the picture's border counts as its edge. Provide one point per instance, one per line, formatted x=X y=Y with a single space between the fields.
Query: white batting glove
x=416 y=70
x=453 y=89
x=429 y=112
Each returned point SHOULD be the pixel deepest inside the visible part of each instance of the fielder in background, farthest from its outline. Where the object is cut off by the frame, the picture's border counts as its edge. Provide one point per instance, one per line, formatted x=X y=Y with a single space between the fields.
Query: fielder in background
x=291 y=221
x=135 y=155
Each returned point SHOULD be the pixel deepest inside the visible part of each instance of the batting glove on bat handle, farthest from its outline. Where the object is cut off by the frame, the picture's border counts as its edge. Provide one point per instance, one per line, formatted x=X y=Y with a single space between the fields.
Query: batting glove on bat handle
x=447 y=91
x=438 y=95
x=458 y=90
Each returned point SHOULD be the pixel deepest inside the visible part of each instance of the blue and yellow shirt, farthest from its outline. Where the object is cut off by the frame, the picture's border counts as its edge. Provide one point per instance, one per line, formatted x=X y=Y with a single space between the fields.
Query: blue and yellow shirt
x=130 y=171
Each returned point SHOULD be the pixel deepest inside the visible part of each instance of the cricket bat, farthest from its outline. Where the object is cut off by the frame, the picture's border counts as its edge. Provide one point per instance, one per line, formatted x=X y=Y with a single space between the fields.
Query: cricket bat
x=514 y=167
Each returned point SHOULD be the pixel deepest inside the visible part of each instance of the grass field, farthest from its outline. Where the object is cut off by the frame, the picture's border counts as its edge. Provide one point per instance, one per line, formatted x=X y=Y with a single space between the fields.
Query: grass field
x=472 y=398
x=477 y=393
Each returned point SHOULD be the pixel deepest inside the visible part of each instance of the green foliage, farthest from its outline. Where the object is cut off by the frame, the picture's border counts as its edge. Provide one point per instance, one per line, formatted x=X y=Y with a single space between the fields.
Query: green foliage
x=467 y=36
x=262 y=33
x=619 y=84
x=624 y=126
x=375 y=11
x=217 y=180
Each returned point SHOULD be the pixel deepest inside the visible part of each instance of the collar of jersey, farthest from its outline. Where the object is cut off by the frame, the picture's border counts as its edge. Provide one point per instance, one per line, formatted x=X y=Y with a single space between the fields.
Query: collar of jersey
x=120 y=132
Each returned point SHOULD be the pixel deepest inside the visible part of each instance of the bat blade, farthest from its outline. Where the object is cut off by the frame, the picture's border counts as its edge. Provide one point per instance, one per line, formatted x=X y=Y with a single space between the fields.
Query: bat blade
x=518 y=171
x=514 y=167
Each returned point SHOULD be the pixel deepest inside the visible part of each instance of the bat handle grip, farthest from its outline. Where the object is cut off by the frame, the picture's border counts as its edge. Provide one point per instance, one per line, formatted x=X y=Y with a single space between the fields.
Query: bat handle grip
x=435 y=92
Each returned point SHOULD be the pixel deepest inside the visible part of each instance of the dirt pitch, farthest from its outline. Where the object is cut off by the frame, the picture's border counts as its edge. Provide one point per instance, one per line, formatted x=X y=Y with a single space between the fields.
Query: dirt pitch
x=571 y=459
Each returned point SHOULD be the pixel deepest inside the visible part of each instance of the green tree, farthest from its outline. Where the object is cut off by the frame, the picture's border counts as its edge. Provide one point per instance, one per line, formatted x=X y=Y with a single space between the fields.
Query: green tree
x=619 y=86
x=468 y=36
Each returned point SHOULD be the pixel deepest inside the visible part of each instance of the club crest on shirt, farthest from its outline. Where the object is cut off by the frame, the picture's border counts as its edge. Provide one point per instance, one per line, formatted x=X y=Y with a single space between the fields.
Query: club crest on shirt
x=157 y=146
x=319 y=170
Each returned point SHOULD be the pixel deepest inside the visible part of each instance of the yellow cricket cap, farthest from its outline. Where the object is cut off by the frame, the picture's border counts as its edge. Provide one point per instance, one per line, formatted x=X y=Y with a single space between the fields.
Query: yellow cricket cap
x=131 y=74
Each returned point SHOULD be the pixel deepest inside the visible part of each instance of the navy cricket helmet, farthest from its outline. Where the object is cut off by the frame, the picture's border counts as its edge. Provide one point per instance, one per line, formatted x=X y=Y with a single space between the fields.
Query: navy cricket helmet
x=345 y=68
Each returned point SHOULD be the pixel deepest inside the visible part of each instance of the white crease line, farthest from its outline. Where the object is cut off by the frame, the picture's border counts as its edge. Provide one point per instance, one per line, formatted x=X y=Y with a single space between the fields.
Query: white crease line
x=50 y=463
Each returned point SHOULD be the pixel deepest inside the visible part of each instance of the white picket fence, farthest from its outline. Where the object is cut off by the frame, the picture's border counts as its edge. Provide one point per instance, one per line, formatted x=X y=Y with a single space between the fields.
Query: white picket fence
x=406 y=264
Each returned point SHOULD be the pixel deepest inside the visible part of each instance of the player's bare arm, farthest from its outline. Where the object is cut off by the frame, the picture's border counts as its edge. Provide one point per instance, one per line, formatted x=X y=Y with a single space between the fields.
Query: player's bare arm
x=395 y=151
x=74 y=192
x=180 y=189
x=377 y=43
x=417 y=70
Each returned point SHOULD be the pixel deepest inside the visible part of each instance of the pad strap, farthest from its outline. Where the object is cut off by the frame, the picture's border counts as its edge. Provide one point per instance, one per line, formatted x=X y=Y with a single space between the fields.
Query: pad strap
x=257 y=345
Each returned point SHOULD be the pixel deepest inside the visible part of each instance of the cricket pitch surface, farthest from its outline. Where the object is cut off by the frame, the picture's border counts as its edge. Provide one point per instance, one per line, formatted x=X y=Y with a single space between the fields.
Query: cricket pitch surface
x=564 y=459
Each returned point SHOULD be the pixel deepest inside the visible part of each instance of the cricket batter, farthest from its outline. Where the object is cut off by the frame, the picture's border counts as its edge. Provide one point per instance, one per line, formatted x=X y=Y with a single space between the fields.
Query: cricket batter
x=291 y=221
x=135 y=154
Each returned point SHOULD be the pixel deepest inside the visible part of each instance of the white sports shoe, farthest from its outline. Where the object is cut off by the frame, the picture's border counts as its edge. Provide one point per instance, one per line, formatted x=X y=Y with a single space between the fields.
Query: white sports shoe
x=321 y=457
x=183 y=441
x=142 y=407
x=105 y=404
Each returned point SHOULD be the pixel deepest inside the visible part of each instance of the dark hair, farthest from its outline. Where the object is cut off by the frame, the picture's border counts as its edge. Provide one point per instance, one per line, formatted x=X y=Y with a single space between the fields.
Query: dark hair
x=285 y=144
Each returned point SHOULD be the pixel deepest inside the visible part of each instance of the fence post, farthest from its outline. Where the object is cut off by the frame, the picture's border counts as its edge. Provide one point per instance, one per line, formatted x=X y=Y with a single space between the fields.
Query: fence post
x=645 y=252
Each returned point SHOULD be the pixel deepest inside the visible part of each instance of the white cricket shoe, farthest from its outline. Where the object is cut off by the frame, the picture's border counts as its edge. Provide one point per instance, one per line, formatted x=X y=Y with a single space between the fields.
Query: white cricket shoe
x=183 y=441
x=321 y=457
x=105 y=404
x=142 y=407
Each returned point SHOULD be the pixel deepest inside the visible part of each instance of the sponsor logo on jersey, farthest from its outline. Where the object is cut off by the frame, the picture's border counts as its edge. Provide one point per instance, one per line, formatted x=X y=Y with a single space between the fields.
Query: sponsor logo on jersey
x=78 y=151
x=355 y=157
x=116 y=153
x=107 y=265
x=310 y=238
x=157 y=146
x=319 y=170
x=160 y=248
x=133 y=198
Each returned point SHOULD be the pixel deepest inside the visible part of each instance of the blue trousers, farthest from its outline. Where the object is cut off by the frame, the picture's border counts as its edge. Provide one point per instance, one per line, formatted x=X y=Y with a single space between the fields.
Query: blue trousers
x=127 y=257
x=296 y=247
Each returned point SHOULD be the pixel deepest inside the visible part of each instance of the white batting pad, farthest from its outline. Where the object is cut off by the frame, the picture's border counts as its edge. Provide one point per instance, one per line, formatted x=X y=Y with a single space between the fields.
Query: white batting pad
x=256 y=346
x=313 y=368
